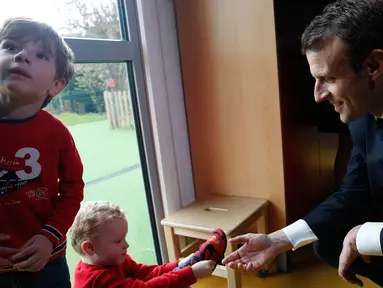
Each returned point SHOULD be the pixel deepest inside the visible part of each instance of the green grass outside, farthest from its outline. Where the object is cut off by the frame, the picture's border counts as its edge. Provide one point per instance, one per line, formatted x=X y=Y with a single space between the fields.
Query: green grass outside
x=71 y=119
x=103 y=152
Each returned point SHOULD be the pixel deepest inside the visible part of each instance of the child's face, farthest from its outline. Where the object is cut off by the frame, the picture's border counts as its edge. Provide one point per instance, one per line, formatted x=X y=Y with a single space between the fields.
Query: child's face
x=110 y=246
x=28 y=70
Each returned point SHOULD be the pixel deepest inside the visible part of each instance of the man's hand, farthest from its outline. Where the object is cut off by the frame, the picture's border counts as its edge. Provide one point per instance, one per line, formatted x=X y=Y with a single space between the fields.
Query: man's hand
x=348 y=256
x=258 y=251
x=6 y=252
x=34 y=254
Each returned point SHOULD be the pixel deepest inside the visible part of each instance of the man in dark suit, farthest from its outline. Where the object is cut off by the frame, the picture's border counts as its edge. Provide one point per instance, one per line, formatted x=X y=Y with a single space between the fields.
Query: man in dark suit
x=344 y=49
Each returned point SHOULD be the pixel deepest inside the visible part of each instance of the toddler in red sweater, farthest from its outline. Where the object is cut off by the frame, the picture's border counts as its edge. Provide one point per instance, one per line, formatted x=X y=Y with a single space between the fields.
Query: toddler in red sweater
x=98 y=234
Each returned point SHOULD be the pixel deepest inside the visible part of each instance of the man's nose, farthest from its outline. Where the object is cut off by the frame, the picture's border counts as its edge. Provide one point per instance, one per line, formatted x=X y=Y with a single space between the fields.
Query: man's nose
x=320 y=92
x=22 y=56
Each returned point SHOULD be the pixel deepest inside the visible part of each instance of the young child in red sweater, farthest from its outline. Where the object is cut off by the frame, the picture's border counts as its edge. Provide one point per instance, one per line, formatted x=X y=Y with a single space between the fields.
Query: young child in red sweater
x=98 y=235
x=41 y=184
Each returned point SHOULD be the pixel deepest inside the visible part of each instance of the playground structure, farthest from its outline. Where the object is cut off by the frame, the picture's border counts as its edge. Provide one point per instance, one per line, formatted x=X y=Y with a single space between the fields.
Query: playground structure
x=118 y=108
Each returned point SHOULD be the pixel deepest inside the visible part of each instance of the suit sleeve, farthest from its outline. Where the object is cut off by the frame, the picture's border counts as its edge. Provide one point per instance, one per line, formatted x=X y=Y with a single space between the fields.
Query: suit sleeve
x=71 y=188
x=346 y=205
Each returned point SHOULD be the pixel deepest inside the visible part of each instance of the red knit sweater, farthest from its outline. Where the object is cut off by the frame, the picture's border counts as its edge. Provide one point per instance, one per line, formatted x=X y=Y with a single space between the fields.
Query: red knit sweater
x=41 y=184
x=132 y=275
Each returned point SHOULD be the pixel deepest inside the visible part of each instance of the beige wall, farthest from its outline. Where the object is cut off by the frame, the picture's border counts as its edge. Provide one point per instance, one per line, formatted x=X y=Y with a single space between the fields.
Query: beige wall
x=232 y=99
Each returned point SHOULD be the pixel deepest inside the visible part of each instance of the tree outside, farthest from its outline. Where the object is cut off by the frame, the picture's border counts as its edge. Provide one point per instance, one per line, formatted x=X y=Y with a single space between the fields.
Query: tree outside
x=85 y=94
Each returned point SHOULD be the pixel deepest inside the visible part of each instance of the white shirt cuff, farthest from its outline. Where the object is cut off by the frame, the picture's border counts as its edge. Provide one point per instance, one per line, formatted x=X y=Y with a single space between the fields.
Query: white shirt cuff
x=299 y=234
x=368 y=239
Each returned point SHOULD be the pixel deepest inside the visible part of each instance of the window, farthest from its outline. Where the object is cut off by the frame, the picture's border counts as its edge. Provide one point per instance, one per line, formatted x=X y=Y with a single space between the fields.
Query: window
x=97 y=108
x=68 y=16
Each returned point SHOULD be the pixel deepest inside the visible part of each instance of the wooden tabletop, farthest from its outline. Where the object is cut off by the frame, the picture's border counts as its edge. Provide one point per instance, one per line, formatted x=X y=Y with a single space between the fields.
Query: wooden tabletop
x=224 y=212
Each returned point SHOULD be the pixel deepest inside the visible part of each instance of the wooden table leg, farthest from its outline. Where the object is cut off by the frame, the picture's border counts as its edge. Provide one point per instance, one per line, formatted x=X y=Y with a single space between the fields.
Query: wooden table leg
x=262 y=222
x=234 y=279
x=172 y=244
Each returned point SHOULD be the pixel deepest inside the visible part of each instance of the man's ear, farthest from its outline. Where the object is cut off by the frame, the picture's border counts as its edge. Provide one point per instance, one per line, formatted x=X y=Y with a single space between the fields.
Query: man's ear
x=374 y=64
x=88 y=248
x=57 y=86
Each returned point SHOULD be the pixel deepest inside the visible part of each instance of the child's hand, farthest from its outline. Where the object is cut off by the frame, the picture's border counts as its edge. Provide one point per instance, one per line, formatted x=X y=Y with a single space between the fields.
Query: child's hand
x=6 y=251
x=203 y=269
x=34 y=254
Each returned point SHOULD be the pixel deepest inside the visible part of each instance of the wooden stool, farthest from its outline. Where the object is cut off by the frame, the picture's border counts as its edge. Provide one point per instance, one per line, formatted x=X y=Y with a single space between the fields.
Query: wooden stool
x=234 y=215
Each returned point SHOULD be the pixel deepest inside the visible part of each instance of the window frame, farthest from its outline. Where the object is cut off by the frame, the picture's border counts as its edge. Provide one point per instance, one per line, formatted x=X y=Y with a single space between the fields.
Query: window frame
x=127 y=50
x=149 y=47
x=100 y=53
x=160 y=54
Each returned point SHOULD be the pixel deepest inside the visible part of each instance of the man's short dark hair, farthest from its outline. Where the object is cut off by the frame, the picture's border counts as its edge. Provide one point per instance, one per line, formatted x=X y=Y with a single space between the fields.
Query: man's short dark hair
x=359 y=23
x=27 y=29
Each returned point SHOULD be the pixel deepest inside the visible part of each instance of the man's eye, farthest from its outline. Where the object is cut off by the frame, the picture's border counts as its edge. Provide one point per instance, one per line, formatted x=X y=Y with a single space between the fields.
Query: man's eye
x=329 y=79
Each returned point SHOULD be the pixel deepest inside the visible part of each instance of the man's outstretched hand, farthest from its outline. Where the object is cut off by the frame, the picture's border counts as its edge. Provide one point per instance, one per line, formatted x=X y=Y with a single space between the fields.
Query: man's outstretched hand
x=258 y=251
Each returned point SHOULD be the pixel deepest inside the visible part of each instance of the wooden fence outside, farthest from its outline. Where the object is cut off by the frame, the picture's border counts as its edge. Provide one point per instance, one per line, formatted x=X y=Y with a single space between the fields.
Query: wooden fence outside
x=118 y=107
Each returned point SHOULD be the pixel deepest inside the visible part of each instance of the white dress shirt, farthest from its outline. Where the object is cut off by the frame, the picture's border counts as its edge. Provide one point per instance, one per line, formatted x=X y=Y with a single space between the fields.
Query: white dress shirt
x=367 y=241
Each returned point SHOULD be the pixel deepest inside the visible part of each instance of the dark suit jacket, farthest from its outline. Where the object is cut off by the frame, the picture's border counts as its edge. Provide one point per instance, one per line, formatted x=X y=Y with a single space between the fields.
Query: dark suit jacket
x=360 y=197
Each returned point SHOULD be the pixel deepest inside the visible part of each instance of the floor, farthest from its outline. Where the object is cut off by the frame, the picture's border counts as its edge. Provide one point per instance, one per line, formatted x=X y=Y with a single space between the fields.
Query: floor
x=306 y=273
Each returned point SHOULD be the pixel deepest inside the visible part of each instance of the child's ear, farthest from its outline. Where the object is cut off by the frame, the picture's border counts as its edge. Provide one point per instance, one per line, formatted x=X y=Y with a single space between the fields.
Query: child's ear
x=57 y=86
x=88 y=248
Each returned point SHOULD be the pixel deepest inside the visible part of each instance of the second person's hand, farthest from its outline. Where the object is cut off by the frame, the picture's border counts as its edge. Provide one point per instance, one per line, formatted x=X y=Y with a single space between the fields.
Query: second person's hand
x=258 y=251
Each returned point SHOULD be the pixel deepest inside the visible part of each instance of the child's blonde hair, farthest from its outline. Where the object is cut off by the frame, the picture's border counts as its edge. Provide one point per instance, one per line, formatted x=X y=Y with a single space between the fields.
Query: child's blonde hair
x=91 y=216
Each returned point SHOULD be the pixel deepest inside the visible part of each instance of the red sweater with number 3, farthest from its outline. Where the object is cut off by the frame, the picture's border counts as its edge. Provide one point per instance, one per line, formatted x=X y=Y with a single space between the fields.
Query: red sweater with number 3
x=41 y=184
x=133 y=275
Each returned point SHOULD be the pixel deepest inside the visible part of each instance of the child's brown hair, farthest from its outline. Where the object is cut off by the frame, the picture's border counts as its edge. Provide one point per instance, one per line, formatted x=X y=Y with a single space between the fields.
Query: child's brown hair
x=26 y=29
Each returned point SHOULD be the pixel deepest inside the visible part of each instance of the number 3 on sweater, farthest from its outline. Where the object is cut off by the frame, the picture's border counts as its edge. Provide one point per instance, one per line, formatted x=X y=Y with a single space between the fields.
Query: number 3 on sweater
x=30 y=161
